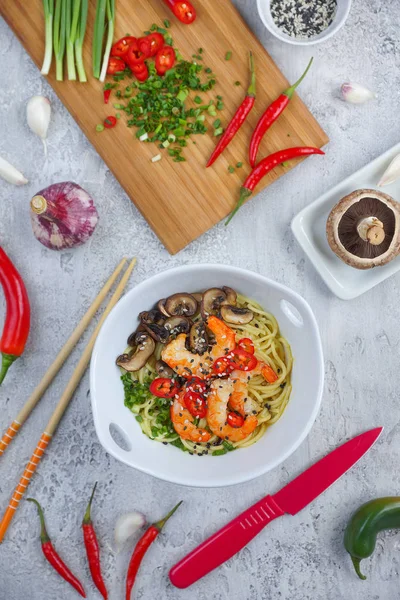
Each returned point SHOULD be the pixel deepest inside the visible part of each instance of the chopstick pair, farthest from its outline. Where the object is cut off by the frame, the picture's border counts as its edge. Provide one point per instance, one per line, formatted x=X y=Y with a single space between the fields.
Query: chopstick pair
x=68 y=392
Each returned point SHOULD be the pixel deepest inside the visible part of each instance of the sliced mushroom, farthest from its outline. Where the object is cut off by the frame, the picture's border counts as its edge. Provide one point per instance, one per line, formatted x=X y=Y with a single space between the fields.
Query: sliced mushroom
x=161 y=307
x=176 y=325
x=363 y=229
x=152 y=316
x=164 y=370
x=231 y=295
x=135 y=336
x=181 y=305
x=157 y=332
x=137 y=359
x=236 y=315
x=198 y=297
x=198 y=338
x=212 y=301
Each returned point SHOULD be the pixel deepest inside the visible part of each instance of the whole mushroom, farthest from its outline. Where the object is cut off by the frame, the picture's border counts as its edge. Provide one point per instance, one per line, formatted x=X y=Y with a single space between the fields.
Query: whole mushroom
x=363 y=229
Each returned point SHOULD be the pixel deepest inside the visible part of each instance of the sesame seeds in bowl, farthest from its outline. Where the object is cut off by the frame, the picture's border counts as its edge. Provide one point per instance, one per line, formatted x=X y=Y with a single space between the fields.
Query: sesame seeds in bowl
x=303 y=22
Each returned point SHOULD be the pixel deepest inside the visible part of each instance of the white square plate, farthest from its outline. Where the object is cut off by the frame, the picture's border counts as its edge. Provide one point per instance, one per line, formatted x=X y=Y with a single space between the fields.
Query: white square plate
x=309 y=230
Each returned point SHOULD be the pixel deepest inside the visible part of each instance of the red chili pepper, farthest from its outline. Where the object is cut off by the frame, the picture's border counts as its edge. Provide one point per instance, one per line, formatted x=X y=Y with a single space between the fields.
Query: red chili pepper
x=265 y=166
x=52 y=556
x=222 y=366
x=183 y=10
x=141 y=548
x=157 y=41
x=106 y=94
x=134 y=55
x=247 y=345
x=196 y=404
x=121 y=47
x=270 y=116
x=239 y=117
x=162 y=387
x=18 y=314
x=92 y=549
x=144 y=44
x=235 y=420
x=115 y=65
x=195 y=384
x=165 y=59
x=110 y=122
x=141 y=74
x=242 y=360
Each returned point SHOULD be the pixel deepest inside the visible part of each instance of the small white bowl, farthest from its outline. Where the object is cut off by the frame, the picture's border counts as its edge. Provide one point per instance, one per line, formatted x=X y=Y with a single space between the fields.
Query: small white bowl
x=297 y=324
x=342 y=12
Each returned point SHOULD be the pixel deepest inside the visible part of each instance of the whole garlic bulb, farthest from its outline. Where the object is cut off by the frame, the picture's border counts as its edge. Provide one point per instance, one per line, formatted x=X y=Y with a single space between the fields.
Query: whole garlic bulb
x=63 y=215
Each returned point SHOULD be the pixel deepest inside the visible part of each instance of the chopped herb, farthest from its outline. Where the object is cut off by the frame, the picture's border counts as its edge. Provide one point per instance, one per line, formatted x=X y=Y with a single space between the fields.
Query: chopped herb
x=135 y=392
x=220 y=105
x=139 y=418
x=239 y=165
x=109 y=86
x=208 y=70
x=197 y=99
x=200 y=50
x=167 y=24
x=218 y=131
x=217 y=123
x=228 y=446
x=237 y=83
x=169 y=40
x=231 y=169
x=220 y=452
x=117 y=115
x=228 y=55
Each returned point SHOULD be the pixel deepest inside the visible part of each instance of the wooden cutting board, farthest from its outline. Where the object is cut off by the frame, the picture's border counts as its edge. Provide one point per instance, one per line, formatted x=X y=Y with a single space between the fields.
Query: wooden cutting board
x=179 y=200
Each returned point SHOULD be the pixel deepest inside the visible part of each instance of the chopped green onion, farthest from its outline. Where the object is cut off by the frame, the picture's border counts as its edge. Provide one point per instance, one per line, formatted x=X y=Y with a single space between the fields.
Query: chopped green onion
x=99 y=127
x=165 y=144
x=211 y=110
x=144 y=137
x=228 y=55
x=231 y=169
x=156 y=158
x=169 y=40
x=200 y=50
x=171 y=138
x=239 y=165
x=208 y=70
x=218 y=131
x=217 y=123
x=158 y=128
x=167 y=23
x=197 y=100
x=220 y=105
x=117 y=115
x=48 y=7
x=201 y=118
x=119 y=106
x=182 y=95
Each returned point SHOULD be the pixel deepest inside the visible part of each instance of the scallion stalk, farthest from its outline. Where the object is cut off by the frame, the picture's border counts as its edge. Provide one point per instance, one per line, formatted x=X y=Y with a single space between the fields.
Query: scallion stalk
x=69 y=42
x=76 y=11
x=98 y=35
x=48 y=6
x=110 y=34
x=60 y=16
x=80 y=36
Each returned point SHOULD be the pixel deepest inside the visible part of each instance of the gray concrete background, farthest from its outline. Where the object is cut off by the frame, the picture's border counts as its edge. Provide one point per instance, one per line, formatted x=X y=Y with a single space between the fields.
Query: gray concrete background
x=296 y=558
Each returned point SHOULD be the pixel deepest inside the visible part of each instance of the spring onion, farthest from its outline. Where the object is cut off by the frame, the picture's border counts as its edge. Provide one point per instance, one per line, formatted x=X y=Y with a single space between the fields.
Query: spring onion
x=98 y=34
x=110 y=11
x=60 y=16
x=144 y=137
x=156 y=158
x=69 y=41
x=79 y=38
x=48 y=6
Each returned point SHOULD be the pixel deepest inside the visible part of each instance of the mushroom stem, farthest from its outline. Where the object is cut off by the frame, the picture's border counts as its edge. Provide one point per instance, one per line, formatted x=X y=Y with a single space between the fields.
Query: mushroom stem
x=371 y=230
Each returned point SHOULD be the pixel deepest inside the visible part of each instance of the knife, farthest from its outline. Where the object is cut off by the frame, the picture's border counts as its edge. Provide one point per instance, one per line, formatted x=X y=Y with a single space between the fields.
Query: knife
x=291 y=499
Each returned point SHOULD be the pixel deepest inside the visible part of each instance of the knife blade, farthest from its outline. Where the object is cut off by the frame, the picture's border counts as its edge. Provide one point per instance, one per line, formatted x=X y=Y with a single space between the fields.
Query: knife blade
x=292 y=498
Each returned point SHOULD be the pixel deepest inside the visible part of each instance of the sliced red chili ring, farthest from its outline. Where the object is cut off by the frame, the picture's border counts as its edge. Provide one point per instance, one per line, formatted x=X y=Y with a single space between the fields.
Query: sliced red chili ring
x=183 y=10
x=242 y=360
x=106 y=95
x=195 y=384
x=222 y=366
x=165 y=59
x=196 y=404
x=115 y=65
x=235 y=420
x=142 y=74
x=144 y=44
x=162 y=387
x=134 y=55
x=247 y=345
x=110 y=122
x=121 y=47
x=156 y=42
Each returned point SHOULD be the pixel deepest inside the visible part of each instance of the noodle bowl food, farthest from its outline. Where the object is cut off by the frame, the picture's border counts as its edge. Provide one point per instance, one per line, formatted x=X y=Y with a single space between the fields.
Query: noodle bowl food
x=206 y=372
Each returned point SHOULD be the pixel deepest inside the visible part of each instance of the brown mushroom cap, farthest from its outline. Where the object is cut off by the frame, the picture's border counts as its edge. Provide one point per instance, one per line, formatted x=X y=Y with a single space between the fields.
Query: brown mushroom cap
x=363 y=229
x=137 y=359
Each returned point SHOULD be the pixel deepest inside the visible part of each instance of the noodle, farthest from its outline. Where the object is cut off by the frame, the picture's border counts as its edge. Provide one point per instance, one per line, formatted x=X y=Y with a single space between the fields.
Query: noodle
x=272 y=398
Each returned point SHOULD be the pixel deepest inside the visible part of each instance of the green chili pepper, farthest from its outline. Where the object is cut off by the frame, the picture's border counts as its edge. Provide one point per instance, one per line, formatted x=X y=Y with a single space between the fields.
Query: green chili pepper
x=366 y=523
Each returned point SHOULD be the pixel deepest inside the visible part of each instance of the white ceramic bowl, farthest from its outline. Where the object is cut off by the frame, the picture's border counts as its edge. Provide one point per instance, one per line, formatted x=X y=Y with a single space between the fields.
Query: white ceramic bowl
x=297 y=324
x=342 y=12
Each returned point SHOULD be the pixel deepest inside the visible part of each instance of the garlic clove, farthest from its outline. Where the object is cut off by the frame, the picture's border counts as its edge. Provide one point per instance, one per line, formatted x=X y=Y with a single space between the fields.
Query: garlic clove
x=63 y=215
x=392 y=173
x=356 y=93
x=10 y=173
x=126 y=526
x=38 y=113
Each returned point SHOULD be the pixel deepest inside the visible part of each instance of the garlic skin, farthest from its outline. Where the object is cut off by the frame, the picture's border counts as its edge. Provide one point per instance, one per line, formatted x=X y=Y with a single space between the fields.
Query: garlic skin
x=392 y=173
x=63 y=215
x=126 y=526
x=356 y=93
x=38 y=114
x=10 y=173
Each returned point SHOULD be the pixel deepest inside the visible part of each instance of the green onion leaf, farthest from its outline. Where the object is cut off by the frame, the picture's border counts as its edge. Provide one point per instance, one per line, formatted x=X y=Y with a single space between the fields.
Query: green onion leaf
x=167 y=23
x=228 y=55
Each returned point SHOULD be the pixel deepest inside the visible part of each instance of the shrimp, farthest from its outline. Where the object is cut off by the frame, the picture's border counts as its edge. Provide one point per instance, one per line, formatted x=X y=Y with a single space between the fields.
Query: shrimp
x=240 y=401
x=183 y=424
x=187 y=364
x=218 y=399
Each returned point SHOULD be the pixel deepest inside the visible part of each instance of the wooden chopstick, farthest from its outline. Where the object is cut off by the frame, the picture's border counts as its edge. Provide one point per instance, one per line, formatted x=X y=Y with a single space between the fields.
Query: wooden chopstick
x=58 y=362
x=60 y=409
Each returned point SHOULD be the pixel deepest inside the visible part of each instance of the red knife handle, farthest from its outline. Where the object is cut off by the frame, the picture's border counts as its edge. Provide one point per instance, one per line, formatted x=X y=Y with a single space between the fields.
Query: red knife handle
x=224 y=543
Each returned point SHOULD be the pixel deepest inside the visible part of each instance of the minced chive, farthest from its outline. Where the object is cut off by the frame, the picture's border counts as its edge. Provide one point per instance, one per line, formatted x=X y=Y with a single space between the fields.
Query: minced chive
x=167 y=23
x=182 y=95
x=211 y=110
x=117 y=115
x=239 y=165
x=119 y=106
x=217 y=123
x=201 y=118
x=197 y=100
x=220 y=105
x=208 y=70
x=99 y=127
x=228 y=55
x=165 y=144
x=158 y=128
x=231 y=169
x=169 y=40
x=218 y=131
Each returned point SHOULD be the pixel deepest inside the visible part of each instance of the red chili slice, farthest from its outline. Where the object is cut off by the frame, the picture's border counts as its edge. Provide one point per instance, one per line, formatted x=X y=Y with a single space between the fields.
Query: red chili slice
x=183 y=10
x=247 y=345
x=242 y=360
x=156 y=42
x=235 y=420
x=195 y=384
x=115 y=65
x=110 y=122
x=121 y=47
x=106 y=96
x=134 y=55
x=222 y=366
x=196 y=404
x=144 y=44
x=165 y=59
x=162 y=387
x=142 y=74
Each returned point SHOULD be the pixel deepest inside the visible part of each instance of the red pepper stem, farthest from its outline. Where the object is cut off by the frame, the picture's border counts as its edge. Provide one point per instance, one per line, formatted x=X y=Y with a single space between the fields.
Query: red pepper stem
x=160 y=524
x=6 y=362
x=44 y=537
x=87 y=518
x=244 y=194
x=252 y=88
x=290 y=91
x=356 y=563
